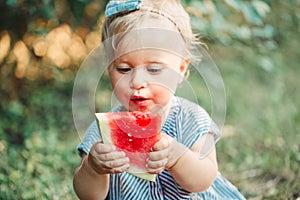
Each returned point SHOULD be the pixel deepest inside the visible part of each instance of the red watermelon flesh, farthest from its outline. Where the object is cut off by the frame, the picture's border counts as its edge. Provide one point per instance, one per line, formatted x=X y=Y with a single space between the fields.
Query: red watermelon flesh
x=135 y=133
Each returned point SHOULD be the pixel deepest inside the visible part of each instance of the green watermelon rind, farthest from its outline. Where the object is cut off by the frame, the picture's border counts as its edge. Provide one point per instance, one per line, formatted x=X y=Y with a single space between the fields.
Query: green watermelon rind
x=104 y=130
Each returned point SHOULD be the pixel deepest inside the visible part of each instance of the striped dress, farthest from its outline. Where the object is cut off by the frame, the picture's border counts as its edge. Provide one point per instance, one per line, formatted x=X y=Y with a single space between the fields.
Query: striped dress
x=186 y=122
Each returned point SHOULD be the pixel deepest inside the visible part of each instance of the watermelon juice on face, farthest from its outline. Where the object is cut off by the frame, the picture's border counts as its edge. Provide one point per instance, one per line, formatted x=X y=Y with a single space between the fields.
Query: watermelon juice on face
x=135 y=133
x=145 y=78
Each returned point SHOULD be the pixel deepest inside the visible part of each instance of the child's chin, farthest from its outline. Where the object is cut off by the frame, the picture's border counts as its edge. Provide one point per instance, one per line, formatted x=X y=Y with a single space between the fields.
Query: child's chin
x=141 y=109
x=140 y=106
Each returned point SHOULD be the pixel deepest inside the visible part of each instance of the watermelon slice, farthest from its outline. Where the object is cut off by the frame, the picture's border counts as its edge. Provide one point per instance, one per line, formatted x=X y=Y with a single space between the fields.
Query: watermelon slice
x=135 y=133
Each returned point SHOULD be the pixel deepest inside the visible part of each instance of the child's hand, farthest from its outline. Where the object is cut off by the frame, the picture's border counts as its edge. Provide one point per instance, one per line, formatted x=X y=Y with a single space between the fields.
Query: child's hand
x=165 y=154
x=105 y=159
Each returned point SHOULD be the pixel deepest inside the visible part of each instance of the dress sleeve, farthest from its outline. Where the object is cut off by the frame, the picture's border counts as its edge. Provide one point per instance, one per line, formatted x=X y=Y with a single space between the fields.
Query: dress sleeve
x=195 y=122
x=92 y=135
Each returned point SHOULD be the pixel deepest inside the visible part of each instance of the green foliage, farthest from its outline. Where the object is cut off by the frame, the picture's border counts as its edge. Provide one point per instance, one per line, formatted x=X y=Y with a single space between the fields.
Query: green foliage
x=77 y=8
x=220 y=20
x=41 y=104
x=37 y=145
x=231 y=20
x=42 y=169
x=51 y=11
x=263 y=105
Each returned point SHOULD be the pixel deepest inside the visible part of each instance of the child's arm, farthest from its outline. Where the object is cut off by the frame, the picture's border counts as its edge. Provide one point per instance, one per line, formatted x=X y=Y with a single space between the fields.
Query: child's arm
x=88 y=184
x=189 y=171
x=91 y=179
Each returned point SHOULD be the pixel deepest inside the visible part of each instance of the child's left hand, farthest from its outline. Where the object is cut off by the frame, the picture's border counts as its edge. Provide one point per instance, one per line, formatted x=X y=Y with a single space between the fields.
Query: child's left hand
x=165 y=153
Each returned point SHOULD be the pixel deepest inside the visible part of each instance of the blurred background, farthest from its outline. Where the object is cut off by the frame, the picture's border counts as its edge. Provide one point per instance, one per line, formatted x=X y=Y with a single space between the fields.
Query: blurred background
x=255 y=44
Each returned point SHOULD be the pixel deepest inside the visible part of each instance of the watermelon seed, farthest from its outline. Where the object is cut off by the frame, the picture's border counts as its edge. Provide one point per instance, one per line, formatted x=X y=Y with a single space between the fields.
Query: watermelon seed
x=129 y=135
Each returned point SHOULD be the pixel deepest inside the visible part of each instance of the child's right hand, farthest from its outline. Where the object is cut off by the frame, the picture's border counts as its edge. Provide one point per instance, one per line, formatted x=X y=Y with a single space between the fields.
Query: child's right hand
x=105 y=159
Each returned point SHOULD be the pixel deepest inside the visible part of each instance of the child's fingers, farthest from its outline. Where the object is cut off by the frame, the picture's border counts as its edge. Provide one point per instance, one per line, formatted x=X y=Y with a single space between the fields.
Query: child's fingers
x=108 y=167
x=156 y=167
x=117 y=163
x=157 y=161
x=156 y=164
x=163 y=143
x=155 y=171
x=103 y=148
x=111 y=156
x=158 y=155
x=119 y=169
x=105 y=159
x=106 y=152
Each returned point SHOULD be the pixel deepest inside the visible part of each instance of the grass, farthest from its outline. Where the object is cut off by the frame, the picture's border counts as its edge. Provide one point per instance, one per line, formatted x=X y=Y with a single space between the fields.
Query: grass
x=262 y=157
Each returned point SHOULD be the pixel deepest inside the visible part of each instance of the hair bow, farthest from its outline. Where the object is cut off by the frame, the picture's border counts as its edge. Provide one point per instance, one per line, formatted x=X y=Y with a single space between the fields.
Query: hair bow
x=121 y=6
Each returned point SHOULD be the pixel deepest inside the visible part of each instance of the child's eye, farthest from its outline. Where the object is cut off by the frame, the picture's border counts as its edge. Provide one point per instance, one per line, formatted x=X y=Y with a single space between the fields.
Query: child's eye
x=123 y=69
x=155 y=69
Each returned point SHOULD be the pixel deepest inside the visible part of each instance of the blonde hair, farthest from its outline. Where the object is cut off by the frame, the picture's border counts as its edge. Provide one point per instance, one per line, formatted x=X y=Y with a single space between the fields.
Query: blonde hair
x=169 y=9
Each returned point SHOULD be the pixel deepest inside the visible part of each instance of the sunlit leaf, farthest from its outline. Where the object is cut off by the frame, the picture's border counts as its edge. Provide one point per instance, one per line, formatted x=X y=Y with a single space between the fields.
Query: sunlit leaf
x=266 y=63
x=252 y=15
x=266 y=32
x=242 y=32
x=236 y=4
x=16 y=108
x=199 y=6
x=47 y=2
x=218 y=21
x=11 y=3
x=261 y=7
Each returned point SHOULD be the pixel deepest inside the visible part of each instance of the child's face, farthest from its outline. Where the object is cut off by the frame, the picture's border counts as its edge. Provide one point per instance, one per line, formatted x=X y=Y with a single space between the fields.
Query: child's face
x=146 y=78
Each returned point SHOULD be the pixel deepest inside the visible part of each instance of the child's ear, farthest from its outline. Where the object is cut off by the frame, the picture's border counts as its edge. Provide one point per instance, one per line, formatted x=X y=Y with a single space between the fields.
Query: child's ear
x=184 y=66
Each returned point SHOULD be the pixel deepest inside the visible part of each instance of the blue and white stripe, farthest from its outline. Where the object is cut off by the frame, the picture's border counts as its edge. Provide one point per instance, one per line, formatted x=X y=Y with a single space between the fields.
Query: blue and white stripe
x=186 y=122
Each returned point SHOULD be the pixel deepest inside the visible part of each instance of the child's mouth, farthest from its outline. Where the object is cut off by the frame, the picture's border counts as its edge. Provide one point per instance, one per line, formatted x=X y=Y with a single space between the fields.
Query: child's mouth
x=138 y=98
x=140 y=101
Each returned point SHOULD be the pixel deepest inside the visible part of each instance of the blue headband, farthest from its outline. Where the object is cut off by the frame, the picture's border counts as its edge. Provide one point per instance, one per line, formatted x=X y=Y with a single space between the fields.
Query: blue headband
x=115 y=7
x=121 y=6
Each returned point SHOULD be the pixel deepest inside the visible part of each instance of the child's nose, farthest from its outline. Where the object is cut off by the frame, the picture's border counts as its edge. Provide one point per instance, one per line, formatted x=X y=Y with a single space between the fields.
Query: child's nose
x=138 y=79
